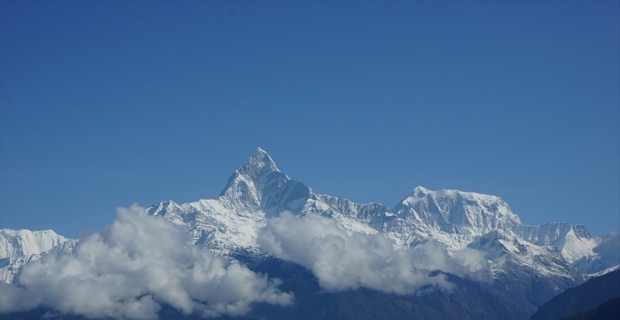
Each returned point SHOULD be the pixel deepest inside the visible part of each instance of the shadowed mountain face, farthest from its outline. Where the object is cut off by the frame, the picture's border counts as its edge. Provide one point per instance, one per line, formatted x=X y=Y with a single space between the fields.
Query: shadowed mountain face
x=582 y=298
x=609 y=310
x=469 y=300
x=459 y=254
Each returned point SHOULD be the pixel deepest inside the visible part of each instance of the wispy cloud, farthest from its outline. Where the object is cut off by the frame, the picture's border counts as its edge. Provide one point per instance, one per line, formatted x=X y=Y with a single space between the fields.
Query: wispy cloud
x=131 y=268
x=344 y=261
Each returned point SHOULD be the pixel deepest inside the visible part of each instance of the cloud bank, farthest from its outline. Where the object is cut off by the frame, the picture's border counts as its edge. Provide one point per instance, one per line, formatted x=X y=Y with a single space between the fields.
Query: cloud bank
x=131 y=268
x=346 y=262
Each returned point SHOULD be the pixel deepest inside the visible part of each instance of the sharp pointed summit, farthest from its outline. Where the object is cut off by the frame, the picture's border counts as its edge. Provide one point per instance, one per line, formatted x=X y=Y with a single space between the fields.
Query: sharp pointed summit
x=259 y=163
x=257 y=176
x=420 y=190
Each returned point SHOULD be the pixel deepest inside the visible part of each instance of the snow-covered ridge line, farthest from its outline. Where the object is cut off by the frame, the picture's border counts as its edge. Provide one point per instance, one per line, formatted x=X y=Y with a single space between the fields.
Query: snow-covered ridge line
x=23 y=242
x=454 y=219
x=18 y=247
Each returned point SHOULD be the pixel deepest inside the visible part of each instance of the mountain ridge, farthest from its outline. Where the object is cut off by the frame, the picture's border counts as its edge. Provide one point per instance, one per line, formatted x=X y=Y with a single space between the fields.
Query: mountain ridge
x=452 y=218
x=517 y=255
x=258 y=190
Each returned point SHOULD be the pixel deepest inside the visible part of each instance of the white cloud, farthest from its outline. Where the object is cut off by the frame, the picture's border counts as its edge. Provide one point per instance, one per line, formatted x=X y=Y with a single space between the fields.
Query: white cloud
x=344 y=261
x=132 y=267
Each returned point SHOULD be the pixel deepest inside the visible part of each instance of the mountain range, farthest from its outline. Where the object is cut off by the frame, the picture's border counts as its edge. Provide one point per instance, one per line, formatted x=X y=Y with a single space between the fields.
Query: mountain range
x=483 y=243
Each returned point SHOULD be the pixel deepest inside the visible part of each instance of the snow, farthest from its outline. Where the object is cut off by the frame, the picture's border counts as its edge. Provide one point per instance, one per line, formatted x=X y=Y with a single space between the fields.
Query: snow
x=26 y=243
x=17 y=247
x=603 y=272
x=453 y=219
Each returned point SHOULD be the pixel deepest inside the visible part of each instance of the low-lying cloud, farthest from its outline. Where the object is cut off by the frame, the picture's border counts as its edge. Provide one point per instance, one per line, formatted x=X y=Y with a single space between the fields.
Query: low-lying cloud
x=131 y=268
x=342 y=261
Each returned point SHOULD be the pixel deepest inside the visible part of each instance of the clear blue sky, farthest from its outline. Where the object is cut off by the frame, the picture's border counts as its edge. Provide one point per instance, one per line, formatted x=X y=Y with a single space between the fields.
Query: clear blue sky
x=108 y=103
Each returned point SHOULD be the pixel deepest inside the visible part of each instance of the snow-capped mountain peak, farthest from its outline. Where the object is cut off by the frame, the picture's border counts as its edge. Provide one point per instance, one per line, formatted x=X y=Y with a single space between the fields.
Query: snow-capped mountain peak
x=247 y=185
x=420 y=190
x=455 y=211
x=504 y=247
x=258 y=191
x=26 y=243
x=260 y=163
x=17 y=247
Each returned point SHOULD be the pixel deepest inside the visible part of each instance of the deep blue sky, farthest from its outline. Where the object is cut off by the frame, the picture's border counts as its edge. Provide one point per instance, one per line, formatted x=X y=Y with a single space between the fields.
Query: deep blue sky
x=108 y=103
